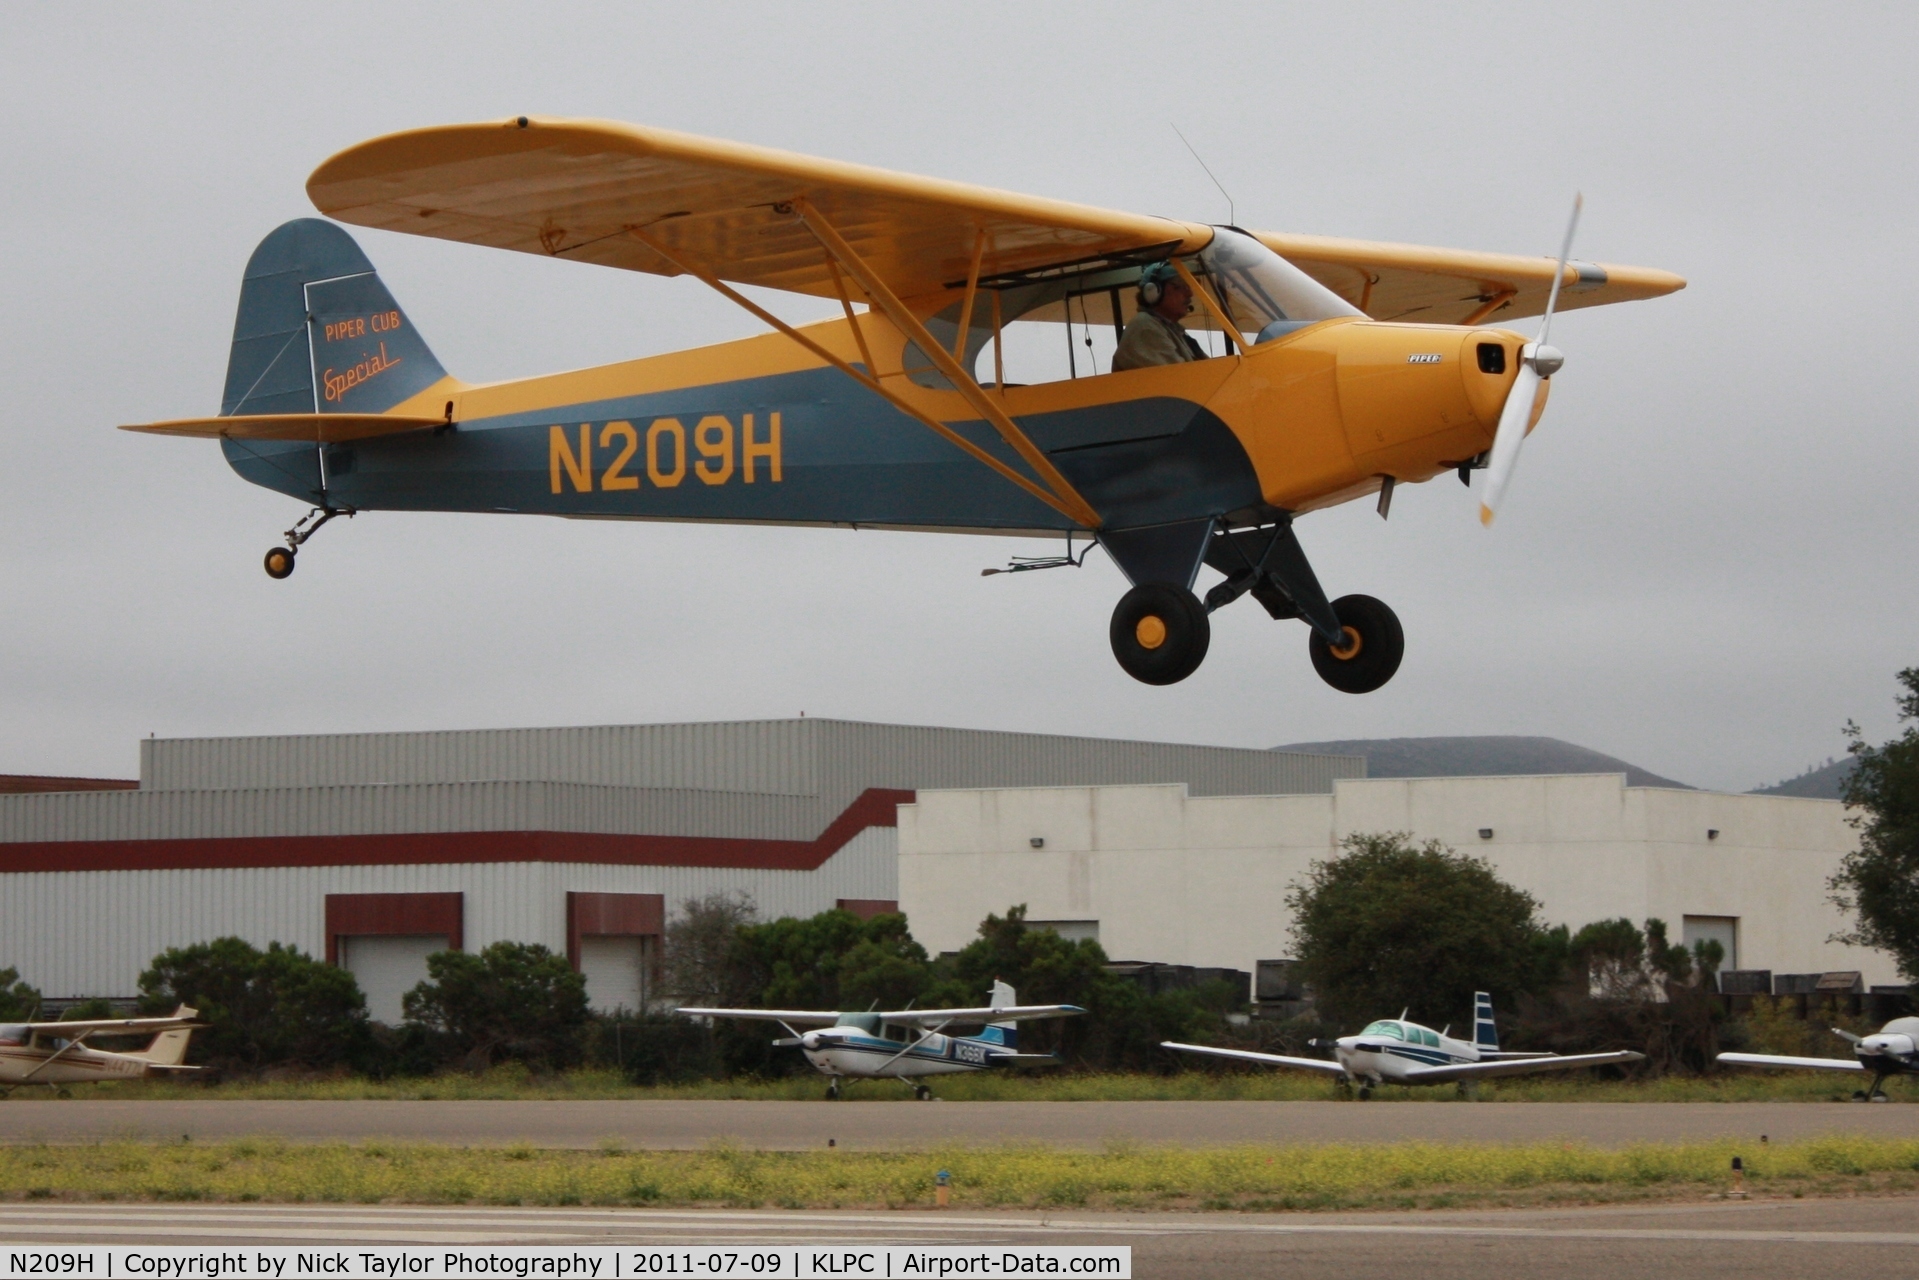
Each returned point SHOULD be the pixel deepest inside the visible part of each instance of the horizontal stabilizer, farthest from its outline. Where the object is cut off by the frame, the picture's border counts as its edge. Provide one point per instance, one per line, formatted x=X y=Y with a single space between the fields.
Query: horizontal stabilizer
x=1025 y=1059
x=1321 y=1065
x=325 y=428
x=1795 y=1064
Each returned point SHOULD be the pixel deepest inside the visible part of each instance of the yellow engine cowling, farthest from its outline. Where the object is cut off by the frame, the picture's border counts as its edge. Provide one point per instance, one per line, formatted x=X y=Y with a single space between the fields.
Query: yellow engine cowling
x=1328 y=411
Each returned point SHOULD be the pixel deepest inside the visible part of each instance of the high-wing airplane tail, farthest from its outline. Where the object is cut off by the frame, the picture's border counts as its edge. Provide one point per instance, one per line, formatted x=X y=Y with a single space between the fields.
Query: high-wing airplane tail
x=169 y=1048
x=1005 y=1033
x=364 y=355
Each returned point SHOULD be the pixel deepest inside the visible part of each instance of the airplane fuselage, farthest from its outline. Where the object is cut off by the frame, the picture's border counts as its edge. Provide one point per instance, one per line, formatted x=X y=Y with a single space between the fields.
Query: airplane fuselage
x=28 y=1064
x=1387 y=1052
x=859 y=1054
x=760 y=430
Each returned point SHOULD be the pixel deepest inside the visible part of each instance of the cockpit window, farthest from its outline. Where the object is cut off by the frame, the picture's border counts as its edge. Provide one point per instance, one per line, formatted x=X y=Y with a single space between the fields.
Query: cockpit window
x=867 y=1022
x=1391 y=1030
x=1262 y=290
x=11 y=1034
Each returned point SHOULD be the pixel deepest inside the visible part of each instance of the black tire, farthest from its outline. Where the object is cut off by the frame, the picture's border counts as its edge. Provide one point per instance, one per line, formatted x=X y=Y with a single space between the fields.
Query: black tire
x=1160 y=633
x=1365 y=1092
x=1376 y=644
x=833 y=1090
x=279 y=563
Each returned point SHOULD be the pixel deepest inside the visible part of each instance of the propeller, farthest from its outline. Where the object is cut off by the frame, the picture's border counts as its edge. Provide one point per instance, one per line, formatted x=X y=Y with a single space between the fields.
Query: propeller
x=1537 y=362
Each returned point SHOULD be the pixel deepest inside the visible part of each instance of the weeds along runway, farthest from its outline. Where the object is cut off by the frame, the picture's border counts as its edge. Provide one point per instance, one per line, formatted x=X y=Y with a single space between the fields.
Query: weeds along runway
x=895 y=1126
x=1760 y=1240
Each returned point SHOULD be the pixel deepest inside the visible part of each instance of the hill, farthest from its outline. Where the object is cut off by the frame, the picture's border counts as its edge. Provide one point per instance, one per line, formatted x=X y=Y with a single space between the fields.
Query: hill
x=1480 y=757
x=1822 y=783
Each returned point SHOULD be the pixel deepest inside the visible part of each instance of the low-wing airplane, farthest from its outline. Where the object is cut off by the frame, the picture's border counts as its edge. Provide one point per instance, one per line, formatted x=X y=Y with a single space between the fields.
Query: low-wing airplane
x=906 y=1044
x=1347 y=368
x=56 y=1053
x=1891 y=1051
x=1395 y=1051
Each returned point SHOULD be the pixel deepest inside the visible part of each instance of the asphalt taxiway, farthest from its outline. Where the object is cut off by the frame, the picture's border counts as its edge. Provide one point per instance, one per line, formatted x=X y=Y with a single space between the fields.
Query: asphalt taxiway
x=799 y=1126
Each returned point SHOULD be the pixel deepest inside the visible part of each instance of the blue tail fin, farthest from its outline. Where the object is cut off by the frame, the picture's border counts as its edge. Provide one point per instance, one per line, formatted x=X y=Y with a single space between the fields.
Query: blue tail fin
x=1485 y=1034
x=318 y=333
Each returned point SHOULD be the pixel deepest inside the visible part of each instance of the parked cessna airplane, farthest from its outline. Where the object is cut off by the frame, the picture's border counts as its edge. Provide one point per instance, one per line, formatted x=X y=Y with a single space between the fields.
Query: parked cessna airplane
x=56 y=1053
x=1893 y=1051
x=1395 y=1051
x=872 y=1046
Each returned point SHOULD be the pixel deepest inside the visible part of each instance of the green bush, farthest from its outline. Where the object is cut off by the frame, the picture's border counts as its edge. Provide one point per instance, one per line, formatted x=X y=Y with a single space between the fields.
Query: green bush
x=262 y=1008
x=19 y=1002
x=513 y=1000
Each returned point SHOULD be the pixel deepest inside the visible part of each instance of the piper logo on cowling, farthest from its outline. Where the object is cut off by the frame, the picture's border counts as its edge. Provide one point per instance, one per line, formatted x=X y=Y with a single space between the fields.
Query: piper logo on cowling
x=1423 y=357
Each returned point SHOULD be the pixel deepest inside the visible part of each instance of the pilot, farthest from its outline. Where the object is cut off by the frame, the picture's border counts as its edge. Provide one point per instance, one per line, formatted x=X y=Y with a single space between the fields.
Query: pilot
x=1154 y=335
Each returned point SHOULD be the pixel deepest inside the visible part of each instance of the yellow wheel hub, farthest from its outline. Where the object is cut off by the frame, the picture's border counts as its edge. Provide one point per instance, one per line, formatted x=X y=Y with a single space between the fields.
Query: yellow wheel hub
x=1348 y=651
x=1151 y=631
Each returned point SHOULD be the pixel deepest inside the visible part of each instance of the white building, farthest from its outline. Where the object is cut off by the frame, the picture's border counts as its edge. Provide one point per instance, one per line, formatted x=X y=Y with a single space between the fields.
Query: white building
x=1156 y=873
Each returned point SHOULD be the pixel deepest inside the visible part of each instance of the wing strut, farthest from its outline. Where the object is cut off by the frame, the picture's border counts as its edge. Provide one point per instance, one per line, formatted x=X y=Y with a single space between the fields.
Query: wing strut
x=1066 y=494
x=1066 y=499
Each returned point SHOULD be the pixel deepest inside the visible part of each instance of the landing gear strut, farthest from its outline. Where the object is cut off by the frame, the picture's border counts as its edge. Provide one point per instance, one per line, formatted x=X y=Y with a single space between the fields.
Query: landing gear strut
x=279 y=560
x=833 y=1089
x=1356 y=642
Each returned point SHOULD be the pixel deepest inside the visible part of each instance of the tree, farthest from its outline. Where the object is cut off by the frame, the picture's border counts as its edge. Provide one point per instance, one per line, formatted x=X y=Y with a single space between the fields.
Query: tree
x=833 y=960
x=1387 y=925
x=18 y=1000
x=262 y=1008
x=512 y=1000
x=699 y=949
x=1878 y=882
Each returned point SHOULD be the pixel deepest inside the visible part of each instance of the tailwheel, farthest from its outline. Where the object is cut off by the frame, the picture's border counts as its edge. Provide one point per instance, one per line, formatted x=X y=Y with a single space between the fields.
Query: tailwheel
x=1373 y=646
x=279 y=563
x=1160 y=633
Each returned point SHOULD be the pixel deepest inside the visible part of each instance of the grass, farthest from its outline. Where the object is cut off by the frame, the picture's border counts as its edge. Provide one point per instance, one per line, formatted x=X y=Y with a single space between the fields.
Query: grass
x=514 y=1082
x=1409 y=1175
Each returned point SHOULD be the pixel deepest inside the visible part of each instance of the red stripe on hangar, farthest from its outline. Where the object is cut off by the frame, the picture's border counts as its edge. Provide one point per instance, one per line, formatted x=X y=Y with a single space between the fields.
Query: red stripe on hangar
x=875 y=807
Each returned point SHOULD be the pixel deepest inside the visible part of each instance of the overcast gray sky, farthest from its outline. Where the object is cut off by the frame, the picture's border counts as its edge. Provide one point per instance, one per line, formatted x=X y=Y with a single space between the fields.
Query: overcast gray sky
x=1706 y=566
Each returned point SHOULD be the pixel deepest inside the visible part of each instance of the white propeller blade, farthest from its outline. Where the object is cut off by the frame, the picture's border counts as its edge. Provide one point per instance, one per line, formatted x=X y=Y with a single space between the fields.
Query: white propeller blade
x=1537 y=362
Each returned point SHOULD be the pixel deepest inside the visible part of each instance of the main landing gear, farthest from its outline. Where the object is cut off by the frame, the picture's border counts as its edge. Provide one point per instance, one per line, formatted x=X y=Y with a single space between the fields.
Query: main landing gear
x=832 y=1088
x=1160 y=631
x=279 y=560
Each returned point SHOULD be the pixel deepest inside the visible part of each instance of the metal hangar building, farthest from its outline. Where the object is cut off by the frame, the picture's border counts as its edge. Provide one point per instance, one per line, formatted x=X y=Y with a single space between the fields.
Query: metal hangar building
x=374 y=850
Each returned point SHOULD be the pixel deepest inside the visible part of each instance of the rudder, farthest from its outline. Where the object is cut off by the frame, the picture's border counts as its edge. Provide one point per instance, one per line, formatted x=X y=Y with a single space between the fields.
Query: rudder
x=1485 y=1034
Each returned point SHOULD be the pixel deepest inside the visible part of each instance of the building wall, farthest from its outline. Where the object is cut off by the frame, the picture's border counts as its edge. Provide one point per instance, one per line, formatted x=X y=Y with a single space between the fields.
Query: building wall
x=92 y=932
x=1203 y=880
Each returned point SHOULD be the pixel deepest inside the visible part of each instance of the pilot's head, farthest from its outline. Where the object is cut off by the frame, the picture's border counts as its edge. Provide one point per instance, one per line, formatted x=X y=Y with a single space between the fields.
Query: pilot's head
x=1161 y=290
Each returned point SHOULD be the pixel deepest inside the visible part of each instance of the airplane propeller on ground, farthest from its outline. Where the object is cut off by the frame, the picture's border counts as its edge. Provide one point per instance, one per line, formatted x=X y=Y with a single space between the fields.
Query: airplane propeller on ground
x=1537 y=362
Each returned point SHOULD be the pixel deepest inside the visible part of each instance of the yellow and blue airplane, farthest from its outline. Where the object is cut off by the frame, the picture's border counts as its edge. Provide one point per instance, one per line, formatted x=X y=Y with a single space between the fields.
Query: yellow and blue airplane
x=1348 y=367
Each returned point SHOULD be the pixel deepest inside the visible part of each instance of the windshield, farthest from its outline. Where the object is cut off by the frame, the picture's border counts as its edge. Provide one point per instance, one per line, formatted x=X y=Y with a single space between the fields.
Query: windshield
x=1262 y=289
x=10 y=1034
x=1391 y=1030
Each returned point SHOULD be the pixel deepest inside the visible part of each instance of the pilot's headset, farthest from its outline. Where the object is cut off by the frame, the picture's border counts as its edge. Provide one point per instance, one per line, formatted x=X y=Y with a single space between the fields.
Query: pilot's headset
x=1153 y=281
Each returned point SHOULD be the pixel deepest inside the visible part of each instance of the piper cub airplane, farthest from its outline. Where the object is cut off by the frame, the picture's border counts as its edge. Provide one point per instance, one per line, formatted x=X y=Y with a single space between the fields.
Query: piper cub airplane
x=1395 y=1051
x=56 y=1053
x=1345 y=368
x=874 y=1046
x=1892 y=1051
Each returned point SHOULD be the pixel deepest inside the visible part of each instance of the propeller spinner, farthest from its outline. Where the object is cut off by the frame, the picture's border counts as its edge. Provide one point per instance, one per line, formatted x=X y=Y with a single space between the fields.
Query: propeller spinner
x=1537 y=362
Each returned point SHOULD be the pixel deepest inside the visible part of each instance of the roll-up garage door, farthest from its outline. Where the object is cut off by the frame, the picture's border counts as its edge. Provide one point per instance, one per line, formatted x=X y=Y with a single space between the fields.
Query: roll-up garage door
x=387 y=966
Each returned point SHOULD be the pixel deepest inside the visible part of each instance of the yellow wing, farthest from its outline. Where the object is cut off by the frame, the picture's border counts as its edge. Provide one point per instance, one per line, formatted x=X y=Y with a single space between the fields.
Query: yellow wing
x=1458 y=286
x=578 y=188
